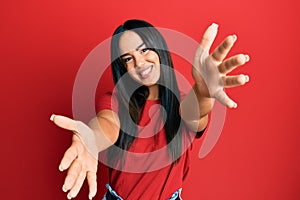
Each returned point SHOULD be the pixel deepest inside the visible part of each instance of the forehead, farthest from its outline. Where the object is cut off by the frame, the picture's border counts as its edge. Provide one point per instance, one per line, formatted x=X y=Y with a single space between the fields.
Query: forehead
x=129 y=41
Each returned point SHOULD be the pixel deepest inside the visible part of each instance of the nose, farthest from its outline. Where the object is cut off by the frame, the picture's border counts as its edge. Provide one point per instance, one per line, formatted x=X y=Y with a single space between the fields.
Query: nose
x=139 y=60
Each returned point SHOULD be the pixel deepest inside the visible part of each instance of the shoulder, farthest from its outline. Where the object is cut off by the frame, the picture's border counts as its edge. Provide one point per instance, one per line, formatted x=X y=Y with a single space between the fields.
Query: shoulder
x=106 y=101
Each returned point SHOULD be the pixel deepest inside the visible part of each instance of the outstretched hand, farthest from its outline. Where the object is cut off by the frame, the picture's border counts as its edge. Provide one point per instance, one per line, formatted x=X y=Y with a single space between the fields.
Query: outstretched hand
x=210 y=70
x=81 y=162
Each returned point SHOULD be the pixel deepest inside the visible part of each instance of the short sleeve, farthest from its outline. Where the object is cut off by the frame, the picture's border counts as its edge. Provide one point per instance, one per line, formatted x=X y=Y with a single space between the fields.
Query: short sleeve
x=108 y=101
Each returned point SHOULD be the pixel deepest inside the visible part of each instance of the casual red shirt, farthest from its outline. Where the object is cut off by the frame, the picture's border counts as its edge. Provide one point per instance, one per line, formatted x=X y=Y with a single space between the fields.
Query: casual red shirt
x=160 y=180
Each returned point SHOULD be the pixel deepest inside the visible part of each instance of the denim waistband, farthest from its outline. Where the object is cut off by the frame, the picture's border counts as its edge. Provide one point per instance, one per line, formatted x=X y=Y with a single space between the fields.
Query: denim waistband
x=112 y=195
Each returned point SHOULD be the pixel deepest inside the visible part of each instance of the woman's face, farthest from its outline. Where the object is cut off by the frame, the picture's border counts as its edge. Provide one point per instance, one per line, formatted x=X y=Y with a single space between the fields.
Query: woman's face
x=142 y=64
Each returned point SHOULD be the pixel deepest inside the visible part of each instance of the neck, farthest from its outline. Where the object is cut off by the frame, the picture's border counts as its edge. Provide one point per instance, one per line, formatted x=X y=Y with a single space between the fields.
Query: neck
x=153 y=92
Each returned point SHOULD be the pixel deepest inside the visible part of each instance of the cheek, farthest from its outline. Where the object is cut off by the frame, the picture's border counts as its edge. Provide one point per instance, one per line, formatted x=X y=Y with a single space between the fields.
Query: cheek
x=154 y=57
x=132 y=73
x=129 y=68
x=158 y=72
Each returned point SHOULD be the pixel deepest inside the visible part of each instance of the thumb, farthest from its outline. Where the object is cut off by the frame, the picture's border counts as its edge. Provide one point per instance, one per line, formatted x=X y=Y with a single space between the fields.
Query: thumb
x=209 y=36
x=84 y=132
x=64 y=122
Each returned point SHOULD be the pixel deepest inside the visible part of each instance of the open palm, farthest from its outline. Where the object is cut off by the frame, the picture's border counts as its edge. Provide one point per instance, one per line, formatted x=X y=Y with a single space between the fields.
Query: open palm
x=80 y=161
x=210 y=71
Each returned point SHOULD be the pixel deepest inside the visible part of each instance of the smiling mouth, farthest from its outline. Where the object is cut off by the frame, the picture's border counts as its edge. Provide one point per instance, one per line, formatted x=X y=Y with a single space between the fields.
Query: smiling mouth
x=146 y=73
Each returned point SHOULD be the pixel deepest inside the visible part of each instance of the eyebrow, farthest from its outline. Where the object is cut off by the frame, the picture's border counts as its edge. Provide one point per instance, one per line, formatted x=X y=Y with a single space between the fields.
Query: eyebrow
x=137 y=48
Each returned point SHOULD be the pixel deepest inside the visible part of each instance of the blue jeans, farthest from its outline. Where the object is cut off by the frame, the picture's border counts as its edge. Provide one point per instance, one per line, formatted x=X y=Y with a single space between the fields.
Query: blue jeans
x=112 y=195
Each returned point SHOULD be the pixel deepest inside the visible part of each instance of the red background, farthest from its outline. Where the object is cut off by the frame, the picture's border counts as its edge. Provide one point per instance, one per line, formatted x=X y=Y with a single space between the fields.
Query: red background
x=43 y=44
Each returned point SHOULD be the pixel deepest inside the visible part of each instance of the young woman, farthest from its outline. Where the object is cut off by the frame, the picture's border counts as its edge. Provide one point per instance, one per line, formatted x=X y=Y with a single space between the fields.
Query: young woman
x=147 y=125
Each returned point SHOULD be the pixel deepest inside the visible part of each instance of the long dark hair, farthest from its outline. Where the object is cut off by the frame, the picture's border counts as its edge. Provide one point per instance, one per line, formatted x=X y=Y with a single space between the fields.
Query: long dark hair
x=134 y=101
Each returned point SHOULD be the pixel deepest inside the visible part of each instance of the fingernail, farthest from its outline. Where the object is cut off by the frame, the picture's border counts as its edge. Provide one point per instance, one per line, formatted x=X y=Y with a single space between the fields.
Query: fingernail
x=247 y=78
x=234 y=37
x=60 y=168
x=247 y=58
x=69 y=196
x=64 y=188
x=234 y=105
x=214 y=25
x=52 y=117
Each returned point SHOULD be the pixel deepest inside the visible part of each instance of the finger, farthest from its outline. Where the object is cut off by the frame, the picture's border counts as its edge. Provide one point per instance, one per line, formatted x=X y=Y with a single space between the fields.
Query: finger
x=231 y=63
x=222 y=50
x=72 y=175
x=92 y=182
x=233 y=81
x=209 y=37
x=64 y=122
x=222 y=97
x=69 y=156
x=78 y=184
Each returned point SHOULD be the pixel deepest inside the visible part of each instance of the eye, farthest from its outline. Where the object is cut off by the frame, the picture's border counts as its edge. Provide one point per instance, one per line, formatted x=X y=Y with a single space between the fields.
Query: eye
x=144 y=50
x=126 y=60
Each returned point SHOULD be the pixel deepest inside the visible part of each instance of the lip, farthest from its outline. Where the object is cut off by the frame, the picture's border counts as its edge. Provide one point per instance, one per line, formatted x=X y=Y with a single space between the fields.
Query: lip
x=140 y=72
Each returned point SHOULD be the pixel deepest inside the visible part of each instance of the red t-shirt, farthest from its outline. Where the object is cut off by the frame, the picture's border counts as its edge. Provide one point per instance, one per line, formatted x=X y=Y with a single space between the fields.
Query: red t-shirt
x=148 y=174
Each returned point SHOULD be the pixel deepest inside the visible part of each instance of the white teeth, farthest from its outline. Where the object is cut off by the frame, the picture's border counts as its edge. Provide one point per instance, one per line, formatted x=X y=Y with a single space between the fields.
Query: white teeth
x=146 y=72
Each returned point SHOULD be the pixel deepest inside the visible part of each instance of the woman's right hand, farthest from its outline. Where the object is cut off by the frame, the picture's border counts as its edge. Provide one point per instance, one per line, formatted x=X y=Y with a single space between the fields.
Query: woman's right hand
x=80 y=161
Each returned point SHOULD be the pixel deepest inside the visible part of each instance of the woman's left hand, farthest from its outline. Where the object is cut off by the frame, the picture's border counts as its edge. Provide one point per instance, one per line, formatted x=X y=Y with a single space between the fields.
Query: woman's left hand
x=210 y=70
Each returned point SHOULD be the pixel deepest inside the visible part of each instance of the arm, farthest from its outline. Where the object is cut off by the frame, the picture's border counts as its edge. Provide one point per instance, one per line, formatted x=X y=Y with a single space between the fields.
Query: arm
x=210 y=76
x=81 y=158
x=106 y=127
